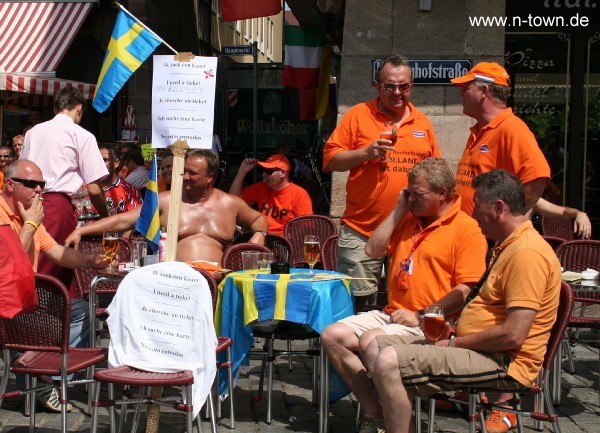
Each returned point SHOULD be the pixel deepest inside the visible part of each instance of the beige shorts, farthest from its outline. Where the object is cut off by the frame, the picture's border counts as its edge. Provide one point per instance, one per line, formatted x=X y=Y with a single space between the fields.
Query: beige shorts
x=353 y=261
x=378 y=319
x=427 y=369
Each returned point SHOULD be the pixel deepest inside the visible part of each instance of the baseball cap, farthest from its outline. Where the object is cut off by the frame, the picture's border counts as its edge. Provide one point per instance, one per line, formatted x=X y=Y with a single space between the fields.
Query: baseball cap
x=276 y=161
x=488 y=72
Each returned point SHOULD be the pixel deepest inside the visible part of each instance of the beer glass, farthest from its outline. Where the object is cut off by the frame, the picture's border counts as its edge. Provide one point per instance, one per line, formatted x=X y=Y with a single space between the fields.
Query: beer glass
x=434 y=323
x=389 y=133
x=312 y=251
x=110 y=246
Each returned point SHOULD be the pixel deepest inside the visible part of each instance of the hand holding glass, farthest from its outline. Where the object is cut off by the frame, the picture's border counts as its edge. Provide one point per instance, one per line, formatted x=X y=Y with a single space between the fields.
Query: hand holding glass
x=434 y=323
x=312 y=251
x=110 y=246
x=388 y=134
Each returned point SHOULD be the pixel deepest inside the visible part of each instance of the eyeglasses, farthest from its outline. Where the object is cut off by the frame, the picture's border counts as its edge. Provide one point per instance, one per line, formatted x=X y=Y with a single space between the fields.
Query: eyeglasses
x=391 y=87
x=5 y=156
x=271 y=170
x=29 y=183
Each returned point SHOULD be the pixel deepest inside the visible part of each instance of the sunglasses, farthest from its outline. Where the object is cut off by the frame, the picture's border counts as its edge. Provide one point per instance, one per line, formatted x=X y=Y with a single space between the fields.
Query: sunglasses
x=271 y=170
x=390 y=87
x=5 y=156
x=28 y=183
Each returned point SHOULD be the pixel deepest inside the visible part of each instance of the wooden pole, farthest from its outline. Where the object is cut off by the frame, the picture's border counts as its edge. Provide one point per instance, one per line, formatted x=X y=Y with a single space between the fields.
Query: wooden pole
x=179 y=148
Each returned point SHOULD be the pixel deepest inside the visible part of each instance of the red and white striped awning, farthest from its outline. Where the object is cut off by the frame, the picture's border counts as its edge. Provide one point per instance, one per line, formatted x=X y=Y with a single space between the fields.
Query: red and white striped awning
x=39 y=85
x=34 y=36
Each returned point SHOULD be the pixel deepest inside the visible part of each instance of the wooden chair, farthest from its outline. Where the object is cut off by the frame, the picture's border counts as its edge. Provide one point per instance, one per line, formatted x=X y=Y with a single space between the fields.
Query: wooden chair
x=43 y=337
x=298 y=227
x=279 y=245
x=543 y=407
x=329 y=253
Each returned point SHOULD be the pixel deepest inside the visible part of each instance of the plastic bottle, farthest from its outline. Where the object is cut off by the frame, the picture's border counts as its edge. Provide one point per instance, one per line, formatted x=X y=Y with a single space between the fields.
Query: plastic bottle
x=162 y=246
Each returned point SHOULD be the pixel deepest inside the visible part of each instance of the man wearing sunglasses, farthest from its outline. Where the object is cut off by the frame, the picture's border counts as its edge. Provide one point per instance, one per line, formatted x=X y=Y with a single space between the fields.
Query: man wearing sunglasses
x=68 y=156
x=276 y=196
x=377 y=167
x=21 y=208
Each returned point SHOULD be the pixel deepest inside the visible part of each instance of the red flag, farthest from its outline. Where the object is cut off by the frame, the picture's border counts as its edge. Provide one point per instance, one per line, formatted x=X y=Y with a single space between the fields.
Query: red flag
x=233 y=10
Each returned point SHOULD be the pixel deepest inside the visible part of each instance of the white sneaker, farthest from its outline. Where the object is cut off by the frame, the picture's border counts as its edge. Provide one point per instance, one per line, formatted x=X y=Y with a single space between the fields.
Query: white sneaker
x=51 y=401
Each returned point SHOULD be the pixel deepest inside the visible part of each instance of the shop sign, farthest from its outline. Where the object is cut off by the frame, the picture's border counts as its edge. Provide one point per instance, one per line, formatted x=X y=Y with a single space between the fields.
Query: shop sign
x=433 y=71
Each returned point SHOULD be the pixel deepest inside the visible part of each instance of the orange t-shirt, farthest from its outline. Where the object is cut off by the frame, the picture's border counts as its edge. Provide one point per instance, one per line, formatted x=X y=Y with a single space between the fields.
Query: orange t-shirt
x=526 y=275
x=1 y=179
x=372 y=188
x=42 y=241
x=452 y=253
x=506 y=142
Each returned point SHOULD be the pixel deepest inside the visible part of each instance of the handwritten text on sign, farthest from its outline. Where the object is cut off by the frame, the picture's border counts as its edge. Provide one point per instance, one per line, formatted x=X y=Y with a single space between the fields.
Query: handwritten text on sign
x=183 y=99
x=166 y=313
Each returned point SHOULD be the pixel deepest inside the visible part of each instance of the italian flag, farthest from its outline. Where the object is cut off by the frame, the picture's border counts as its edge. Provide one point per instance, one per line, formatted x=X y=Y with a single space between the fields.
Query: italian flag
x=303 y=46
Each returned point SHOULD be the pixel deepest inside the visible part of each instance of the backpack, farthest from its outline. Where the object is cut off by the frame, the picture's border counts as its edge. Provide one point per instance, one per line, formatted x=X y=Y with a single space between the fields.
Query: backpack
x=17 y=281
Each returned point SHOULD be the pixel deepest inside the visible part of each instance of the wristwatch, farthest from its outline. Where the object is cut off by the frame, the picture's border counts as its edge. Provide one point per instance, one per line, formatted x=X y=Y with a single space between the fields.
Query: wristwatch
x=451 y=341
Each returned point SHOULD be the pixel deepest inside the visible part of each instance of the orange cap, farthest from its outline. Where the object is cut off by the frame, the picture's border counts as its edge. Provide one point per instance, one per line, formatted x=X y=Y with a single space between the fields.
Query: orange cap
x=276 y=161
x=488 y=72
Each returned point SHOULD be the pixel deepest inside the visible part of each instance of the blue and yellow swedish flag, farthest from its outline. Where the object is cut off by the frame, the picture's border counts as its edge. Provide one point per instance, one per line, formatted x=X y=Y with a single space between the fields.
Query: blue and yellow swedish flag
x=149 y=222
x=129 y=46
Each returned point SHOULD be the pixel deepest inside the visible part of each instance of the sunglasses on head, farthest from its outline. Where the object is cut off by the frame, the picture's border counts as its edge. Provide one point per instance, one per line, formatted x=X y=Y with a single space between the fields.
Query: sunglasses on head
x=28 y=183
x=270 y=170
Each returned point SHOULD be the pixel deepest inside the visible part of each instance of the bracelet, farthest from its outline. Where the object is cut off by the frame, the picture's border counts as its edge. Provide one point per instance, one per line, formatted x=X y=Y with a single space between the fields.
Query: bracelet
x=31 y=223
x=262 y=232
x=451 y=341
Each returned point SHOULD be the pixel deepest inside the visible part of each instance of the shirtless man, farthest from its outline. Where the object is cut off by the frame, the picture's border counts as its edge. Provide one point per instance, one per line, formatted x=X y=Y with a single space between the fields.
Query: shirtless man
x=208 y=216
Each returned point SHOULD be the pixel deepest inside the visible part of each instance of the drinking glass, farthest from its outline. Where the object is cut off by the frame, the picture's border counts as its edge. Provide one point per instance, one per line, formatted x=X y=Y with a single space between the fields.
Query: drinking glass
x=110 y=246
x=250 y=260
x=264 y=261
x=389 y=133
x=434 y=323
x=312 y=251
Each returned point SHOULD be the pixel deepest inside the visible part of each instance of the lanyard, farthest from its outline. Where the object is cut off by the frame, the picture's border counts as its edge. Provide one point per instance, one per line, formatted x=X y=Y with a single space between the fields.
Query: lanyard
x=477 y=287
x=416 y=243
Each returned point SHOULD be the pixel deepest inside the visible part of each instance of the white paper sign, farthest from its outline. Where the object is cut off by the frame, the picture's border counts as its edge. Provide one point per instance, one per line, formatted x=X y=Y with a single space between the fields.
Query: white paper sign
x=183 y=100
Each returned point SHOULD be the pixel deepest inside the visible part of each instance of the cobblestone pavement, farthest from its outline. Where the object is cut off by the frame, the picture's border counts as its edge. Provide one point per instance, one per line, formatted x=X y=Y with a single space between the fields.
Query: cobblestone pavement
x=293 y=410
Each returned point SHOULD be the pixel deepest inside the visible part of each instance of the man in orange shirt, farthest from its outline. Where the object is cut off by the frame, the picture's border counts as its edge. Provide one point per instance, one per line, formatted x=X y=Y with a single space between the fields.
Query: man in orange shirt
x=377 y=166
x=501 y=335
x=277 y=197
x=499 y=139
x=437 y=255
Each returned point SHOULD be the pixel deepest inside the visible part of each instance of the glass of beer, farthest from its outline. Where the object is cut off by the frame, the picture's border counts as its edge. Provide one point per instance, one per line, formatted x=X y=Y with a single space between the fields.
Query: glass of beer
x=312 y=251
x=434 y=323
x=388 y=134
x=110 y=246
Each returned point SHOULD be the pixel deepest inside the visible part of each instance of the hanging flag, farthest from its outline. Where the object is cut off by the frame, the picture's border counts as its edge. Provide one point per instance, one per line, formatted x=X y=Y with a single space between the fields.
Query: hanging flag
x=312 y=104
x=302 y=53
x=130 y=44
x=149 y=222
x=233 y=10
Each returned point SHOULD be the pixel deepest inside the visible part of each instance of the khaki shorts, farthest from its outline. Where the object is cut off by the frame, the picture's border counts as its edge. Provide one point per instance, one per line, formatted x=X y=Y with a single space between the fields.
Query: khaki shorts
x=427 y=369
x=353 y=261
x=378 y=319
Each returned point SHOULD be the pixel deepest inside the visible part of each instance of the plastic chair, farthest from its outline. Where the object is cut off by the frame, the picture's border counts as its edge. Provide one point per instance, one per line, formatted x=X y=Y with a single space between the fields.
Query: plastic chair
x=223 y=344
x=543 y=407
x=558 y=227
x=329 y=253
x=232 y=257
x=279 y=245
x=138 y=377
x=84 y=276
x=298 y=227
x=554 y=241
x=577 y=256
x=43 y=337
